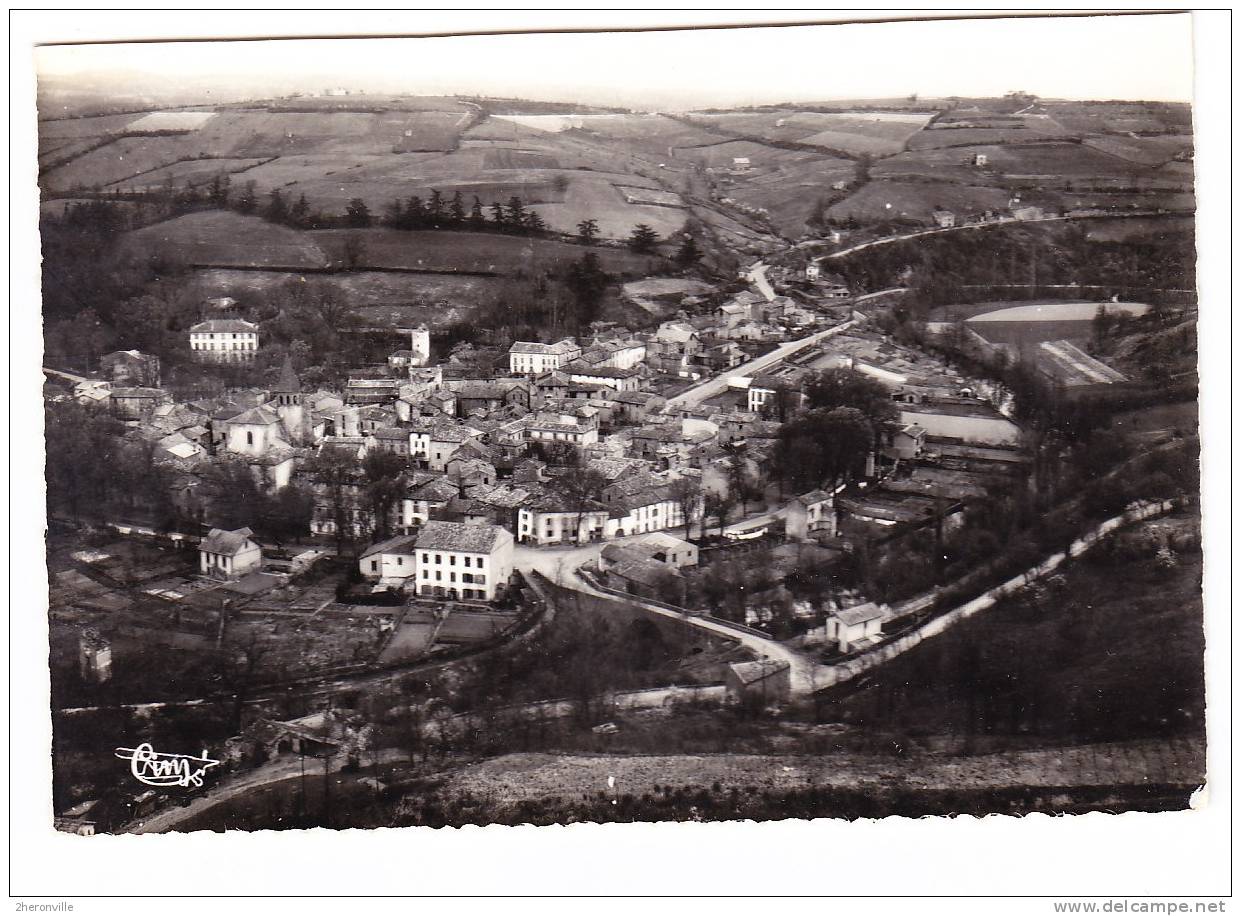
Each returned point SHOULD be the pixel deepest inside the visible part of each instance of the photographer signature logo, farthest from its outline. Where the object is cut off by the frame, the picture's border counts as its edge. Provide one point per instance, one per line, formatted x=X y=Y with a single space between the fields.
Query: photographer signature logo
x=154 y=769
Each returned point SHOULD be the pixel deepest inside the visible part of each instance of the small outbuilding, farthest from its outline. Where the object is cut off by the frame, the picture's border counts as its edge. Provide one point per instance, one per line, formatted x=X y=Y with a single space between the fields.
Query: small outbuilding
x=763 y=683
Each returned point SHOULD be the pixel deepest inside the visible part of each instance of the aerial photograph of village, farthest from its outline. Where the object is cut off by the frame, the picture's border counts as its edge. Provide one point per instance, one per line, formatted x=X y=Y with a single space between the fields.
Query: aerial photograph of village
x=429 y=454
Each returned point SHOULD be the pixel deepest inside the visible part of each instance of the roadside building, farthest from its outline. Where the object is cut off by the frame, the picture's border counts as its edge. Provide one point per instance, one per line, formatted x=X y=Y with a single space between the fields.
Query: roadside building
x=760 y=683
x=457 y=560
x=660 y=547
x=856 y=627
x=645 y=577
x=944 y=219
x=229 y=554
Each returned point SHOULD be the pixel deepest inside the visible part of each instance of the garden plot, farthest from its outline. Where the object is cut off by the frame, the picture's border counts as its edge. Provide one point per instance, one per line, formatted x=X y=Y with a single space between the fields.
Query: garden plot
x=469 y=625
x=291 y=646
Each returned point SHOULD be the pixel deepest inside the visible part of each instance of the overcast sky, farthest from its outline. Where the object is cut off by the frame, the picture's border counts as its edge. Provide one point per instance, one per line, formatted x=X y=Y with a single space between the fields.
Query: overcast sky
x=1131 y=57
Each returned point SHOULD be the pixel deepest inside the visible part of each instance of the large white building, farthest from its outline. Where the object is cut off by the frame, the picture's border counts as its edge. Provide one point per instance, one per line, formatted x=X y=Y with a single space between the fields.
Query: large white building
x=446 y=560
x=527 y=358
x=224 y=340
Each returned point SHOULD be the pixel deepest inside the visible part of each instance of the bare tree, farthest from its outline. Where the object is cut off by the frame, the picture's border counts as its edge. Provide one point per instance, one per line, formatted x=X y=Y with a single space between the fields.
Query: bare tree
x=687 y=491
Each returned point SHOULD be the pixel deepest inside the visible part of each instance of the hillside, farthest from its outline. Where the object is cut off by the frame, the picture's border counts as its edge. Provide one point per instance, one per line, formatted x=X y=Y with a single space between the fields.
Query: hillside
x=746 y=174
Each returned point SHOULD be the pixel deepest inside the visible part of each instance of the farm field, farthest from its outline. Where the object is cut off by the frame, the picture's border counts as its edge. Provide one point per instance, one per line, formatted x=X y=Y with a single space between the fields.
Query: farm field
x=1142 y=150
x=970 y=136
x=119 y=160
x=482 y=252
x=157 y=121
x=226 y=239
x=599 y=199
x=880 y=200
x=853 y=143
x=854 y=133
x=80 y=128
x=192 y=173
x=1056 y=160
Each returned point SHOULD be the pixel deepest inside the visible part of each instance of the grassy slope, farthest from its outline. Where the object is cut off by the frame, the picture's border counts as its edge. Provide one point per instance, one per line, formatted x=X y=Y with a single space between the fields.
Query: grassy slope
x=1116 y=654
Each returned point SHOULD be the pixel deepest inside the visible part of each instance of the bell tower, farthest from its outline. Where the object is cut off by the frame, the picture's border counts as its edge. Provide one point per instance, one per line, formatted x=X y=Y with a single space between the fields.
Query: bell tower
x=290 y=405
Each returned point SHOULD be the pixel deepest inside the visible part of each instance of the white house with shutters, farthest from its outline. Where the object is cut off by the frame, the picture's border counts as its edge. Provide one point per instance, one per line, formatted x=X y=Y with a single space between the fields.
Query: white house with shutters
x=527 y=358
x=224 y=340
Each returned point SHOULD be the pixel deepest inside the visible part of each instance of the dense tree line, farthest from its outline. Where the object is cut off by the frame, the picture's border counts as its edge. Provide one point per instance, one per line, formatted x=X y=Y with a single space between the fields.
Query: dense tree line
x=960 y=267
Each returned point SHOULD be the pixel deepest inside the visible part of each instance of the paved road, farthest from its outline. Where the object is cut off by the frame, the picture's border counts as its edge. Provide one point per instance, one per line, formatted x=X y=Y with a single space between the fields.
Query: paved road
x=717 y=385
x=805 y=671
x=1007 y=220
x=758 y=276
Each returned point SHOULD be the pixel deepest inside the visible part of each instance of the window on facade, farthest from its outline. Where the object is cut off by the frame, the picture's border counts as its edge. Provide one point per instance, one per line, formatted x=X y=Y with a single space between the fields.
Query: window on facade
x=452 y=560
x=374 y=565
x=439 y=558
x=249 y=438
x=438 y=575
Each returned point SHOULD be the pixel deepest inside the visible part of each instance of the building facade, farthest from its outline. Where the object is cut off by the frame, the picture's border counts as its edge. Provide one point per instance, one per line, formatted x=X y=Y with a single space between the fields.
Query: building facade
x=224 y=340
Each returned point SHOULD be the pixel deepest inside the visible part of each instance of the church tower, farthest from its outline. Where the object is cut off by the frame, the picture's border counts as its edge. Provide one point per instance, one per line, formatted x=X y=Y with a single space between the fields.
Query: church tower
x=420 y=345
x=291 y=406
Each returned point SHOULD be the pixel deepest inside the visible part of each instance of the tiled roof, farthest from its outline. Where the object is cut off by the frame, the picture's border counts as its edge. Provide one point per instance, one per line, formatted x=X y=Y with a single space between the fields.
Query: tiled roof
x=225 y=543
x=216 y=325
x=434 y=490
x=257 y=416
x=859 y=613
x=457 y=536
x=390 y=432
x=560 y=348
x=401 y=544
x=753 y=672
